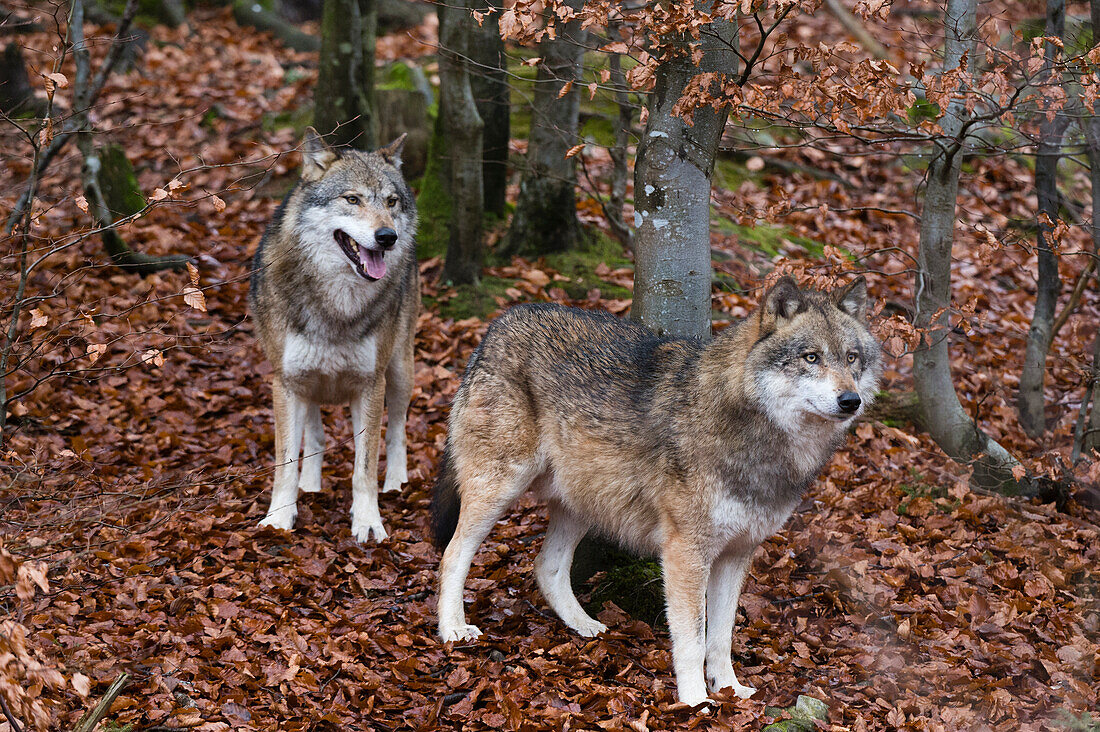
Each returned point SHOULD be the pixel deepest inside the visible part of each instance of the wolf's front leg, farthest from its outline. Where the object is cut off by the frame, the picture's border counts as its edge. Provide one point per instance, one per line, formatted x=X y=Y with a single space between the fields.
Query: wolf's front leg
x=313 y=451
x=399 y=384
x=366 y=424
x=290 y=416
x=685 y=571
x=727 y=575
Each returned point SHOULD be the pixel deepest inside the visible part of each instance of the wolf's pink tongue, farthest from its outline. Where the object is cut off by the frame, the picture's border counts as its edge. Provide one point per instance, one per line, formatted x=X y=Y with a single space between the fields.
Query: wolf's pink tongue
x=373 y=262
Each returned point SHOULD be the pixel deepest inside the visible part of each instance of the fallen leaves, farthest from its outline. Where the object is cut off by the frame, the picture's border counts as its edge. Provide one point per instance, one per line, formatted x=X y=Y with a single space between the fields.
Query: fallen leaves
x=897 y=594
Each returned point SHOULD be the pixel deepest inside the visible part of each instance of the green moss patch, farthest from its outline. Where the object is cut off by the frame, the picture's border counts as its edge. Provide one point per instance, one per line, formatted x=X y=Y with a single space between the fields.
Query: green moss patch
x=635 y=585
x=295 y=119
x=471 y=301
x=580 y=266
x=770 y=240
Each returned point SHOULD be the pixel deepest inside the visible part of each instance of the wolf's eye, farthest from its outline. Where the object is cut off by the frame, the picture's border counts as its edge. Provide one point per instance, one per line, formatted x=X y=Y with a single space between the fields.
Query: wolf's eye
x=852 y=357
x=353 y=200
x=392 y=201
x=810 y=357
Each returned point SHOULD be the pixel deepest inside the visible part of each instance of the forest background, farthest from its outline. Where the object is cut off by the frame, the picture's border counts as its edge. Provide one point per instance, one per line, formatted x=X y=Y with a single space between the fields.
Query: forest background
x=660 y=161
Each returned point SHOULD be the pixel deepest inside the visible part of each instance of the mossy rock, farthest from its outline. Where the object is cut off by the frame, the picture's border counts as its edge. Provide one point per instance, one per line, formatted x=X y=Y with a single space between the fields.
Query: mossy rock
x=405 y=111
x=806 y=709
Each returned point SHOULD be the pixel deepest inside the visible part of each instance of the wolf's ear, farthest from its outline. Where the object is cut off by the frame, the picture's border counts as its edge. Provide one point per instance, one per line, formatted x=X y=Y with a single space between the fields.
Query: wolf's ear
x=852 y=298
x=392 y=152
x=316 y=156
x=782 y=302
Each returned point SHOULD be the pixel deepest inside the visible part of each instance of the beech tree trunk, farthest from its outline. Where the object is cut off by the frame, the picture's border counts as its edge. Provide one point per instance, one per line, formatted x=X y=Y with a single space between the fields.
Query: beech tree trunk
x=463 y=128
x=948 y=423
x=545 y=219
x=1030 y=401
x=489 y=82
x=1091 y=440
x=344 y=106
x=1091 y=127
x=672 y=171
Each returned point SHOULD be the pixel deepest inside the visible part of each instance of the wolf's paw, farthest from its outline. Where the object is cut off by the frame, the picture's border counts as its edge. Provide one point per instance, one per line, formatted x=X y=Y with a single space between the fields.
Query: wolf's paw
x=280 y=520
x=459 y=633
x=310 y=485
x=362 y=530
x=590 y=628
x=694 y=698
x=729 y=680
x=395 y=478
x=739 y=689
x=744 y=691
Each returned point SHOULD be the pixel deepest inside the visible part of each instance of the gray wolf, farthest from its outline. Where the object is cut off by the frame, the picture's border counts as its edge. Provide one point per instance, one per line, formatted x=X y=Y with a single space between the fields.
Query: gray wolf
x=335 y=295
x=694 y=453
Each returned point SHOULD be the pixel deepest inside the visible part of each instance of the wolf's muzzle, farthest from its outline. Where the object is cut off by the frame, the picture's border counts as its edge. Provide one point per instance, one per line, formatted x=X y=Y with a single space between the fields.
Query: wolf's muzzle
x=848 y=402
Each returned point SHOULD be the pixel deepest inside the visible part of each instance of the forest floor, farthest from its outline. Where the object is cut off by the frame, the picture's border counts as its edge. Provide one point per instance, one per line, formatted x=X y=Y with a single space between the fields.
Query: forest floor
x=896 y=594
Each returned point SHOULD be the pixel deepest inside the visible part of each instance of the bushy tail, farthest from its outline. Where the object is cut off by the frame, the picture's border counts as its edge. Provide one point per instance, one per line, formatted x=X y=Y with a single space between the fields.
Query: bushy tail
x=445 y=501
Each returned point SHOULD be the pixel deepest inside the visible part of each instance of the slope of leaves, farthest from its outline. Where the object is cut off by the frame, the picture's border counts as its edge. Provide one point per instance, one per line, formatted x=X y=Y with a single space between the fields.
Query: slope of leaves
x=895 y=594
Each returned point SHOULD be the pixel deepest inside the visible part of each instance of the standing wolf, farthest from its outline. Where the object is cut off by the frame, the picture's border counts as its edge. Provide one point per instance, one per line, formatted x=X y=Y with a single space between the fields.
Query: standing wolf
x=336 y=293
x=693 y=452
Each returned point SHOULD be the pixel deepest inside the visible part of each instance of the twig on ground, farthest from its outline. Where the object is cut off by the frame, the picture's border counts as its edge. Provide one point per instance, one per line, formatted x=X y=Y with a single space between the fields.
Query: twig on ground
x=92 y=718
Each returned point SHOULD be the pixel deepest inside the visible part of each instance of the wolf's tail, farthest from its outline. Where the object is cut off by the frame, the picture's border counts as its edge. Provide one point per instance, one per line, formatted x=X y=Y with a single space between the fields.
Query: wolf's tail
x=445 y=500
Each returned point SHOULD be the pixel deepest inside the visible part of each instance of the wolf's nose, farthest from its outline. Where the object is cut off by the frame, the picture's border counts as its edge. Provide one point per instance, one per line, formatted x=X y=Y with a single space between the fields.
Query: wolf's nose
x=386 y=238
x=848 y=402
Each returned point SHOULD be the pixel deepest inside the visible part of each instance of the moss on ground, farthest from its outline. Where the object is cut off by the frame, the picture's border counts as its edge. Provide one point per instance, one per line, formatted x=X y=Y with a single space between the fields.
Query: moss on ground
x=579 y=265
x=633 y=584
x=471 y=301
x=296 y=119
x=769 y=239
x=730 y=174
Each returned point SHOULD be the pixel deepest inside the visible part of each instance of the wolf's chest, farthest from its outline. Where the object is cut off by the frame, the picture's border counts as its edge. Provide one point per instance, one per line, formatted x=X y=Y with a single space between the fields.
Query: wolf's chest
x=327 y=371
x=746 y=522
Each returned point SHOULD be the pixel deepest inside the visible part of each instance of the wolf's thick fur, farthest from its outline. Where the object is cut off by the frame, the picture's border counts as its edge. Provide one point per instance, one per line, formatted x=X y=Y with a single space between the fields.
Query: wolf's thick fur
x=693 y=453
x=335 y=295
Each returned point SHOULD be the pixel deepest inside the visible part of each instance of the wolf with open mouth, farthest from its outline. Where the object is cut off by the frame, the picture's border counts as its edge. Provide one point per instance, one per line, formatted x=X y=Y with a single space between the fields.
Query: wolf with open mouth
x=335 y=296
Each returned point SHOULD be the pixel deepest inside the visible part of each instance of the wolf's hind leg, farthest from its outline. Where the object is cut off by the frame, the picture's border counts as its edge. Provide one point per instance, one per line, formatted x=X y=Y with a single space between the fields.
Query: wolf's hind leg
x=290 y=416
x=552 y=568
x=399 y=384
x=727 y=575
x=366 y=424
x=484 y=499
x=313 y=449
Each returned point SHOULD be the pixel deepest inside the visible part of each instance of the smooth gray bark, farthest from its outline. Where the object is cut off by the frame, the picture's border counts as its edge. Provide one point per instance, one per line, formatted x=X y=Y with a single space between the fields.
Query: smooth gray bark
x=1030 y=402
x=545 y=219
x=672 y=170
x=1090 y=439
x=463 y=128
x=489 y=82
x=948 y=423
x=345 y=112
